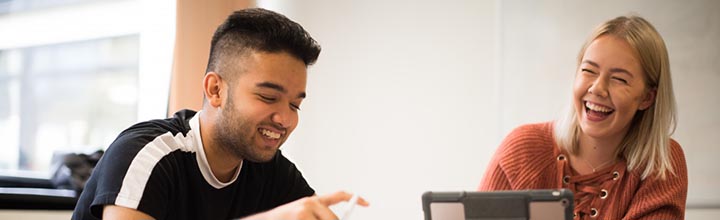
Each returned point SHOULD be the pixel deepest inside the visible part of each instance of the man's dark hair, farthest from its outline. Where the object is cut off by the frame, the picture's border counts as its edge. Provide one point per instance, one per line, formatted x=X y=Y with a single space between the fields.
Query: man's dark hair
x=260 y=30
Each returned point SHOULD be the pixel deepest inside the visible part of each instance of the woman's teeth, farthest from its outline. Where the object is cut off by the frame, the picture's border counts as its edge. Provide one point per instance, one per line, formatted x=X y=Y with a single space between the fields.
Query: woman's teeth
x=597 y=108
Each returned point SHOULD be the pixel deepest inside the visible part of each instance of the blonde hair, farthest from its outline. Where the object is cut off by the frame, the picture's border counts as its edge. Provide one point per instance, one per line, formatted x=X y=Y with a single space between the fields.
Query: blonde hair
x=647 y=143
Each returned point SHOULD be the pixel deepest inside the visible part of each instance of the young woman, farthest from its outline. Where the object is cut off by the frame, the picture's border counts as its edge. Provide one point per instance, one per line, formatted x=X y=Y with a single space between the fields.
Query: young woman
x=613 y=149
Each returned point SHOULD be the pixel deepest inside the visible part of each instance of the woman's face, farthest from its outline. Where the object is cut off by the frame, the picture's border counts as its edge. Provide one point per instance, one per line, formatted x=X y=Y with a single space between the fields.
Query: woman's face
x=609 y=88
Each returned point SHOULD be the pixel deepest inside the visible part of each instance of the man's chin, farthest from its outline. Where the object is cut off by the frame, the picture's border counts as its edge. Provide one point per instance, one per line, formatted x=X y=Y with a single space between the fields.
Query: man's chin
x=262 y=157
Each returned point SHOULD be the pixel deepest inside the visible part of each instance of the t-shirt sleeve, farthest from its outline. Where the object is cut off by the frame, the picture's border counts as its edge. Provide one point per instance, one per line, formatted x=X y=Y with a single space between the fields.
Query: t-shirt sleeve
x=131 y=175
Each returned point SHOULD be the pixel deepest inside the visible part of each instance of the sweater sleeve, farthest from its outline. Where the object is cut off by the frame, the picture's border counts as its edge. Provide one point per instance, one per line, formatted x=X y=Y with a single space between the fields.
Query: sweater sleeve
x=494 y=178
x=522 y=161
x=662 y=199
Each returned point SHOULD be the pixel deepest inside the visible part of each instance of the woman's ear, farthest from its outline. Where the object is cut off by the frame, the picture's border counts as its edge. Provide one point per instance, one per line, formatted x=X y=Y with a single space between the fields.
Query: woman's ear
x=212 y=85
x=649 y=99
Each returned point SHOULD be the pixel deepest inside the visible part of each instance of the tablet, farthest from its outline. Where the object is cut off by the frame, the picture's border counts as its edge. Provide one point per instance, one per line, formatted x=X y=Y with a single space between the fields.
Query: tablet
x=543 y=204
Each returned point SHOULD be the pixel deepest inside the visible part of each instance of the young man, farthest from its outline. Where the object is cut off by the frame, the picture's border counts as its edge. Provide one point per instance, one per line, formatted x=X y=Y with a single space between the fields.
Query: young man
x=222 y=162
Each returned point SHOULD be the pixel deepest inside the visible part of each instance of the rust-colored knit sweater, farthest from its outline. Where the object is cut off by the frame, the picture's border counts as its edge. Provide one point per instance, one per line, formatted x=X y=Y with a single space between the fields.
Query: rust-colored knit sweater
x=528 y=158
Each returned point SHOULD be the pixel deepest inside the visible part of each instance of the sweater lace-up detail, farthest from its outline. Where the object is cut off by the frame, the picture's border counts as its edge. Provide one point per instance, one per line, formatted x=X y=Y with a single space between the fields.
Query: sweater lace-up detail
x=590 y=190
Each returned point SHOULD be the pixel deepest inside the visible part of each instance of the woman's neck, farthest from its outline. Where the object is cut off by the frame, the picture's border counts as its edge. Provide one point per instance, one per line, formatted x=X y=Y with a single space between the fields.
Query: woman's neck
x=595 y=153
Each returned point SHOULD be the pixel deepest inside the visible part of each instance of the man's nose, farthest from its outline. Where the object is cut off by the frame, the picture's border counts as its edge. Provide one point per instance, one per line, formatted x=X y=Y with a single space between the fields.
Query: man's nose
x=283 y=118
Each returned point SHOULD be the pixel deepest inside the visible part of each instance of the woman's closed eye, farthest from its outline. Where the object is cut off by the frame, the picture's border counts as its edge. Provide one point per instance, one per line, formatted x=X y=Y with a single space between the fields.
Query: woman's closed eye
x=620 y=80
x=584 y=70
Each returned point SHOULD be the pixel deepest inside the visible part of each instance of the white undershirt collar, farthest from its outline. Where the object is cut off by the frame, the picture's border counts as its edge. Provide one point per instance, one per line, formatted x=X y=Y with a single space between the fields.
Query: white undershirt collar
x=202 y=159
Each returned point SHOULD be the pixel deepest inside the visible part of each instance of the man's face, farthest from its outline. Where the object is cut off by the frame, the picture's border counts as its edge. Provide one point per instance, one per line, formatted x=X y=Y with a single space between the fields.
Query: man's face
x=261 y=108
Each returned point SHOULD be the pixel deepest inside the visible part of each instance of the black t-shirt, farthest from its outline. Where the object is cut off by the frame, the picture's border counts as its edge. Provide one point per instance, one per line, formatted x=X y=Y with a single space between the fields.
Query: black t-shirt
x=159 y=167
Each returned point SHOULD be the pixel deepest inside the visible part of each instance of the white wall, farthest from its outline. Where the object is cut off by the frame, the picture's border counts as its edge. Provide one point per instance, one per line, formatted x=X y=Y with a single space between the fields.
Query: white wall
x=402 y=95
x=410 y=96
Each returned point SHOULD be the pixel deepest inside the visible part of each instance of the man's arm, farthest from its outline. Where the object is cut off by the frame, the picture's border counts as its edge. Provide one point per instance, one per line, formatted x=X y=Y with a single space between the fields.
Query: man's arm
x=119 y=212
x=308 y=208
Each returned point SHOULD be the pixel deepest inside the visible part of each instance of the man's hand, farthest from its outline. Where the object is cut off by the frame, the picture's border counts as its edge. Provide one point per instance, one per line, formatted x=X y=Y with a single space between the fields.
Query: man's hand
x=308 y=208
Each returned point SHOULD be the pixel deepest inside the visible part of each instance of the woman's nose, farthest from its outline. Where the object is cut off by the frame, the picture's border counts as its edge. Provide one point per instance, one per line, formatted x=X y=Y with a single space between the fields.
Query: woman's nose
x=599 y=87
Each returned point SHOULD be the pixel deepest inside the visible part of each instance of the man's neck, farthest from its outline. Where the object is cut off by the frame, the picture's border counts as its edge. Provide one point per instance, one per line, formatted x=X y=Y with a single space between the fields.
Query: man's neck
x=222 y=164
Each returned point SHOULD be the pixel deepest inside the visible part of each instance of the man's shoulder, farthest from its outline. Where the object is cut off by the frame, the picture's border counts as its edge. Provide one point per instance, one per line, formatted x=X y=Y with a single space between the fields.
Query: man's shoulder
x=163 y=135
x=180 y=122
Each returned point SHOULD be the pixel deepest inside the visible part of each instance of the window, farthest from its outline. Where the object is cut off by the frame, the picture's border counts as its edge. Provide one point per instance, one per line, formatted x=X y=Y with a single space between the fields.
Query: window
x=8 y=6
x=65 y=97
x=72 y=73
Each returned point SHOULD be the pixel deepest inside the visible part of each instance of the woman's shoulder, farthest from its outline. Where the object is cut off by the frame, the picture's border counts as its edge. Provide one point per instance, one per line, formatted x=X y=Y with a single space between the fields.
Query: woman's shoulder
x=676 y=150
x=535 y=127
x=527 y=153
x=677 y=162
x=677 y=156
x=535 y=133
x=529 y=141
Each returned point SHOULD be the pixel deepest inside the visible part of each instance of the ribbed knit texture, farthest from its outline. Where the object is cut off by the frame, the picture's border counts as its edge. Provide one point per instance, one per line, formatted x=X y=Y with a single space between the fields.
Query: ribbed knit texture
x=528 y=158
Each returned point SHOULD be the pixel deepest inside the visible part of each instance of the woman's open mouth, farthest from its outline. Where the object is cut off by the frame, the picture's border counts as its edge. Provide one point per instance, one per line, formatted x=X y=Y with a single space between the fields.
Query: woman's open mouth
x=597 y=112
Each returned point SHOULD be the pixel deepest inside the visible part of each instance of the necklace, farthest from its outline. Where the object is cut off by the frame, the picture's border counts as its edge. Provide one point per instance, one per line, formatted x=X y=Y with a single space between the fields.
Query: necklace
x=599 y=166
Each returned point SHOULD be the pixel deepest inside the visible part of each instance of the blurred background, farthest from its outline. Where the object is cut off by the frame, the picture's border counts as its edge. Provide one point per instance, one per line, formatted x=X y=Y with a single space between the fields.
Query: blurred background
x=406 y=97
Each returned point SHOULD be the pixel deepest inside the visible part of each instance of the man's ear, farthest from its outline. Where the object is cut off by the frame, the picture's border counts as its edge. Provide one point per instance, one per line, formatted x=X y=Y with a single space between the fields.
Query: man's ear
x=649 y=99
x=212 y=85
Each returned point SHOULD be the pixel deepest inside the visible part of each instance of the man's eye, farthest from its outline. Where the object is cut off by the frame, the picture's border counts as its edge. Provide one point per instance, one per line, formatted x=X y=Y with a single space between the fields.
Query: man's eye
x=267 y=98
x=295 y=107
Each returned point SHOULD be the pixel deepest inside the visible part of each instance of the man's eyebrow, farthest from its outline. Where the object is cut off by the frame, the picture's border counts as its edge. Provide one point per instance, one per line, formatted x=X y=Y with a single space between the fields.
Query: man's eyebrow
x=274 y=86
x=278 y=87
